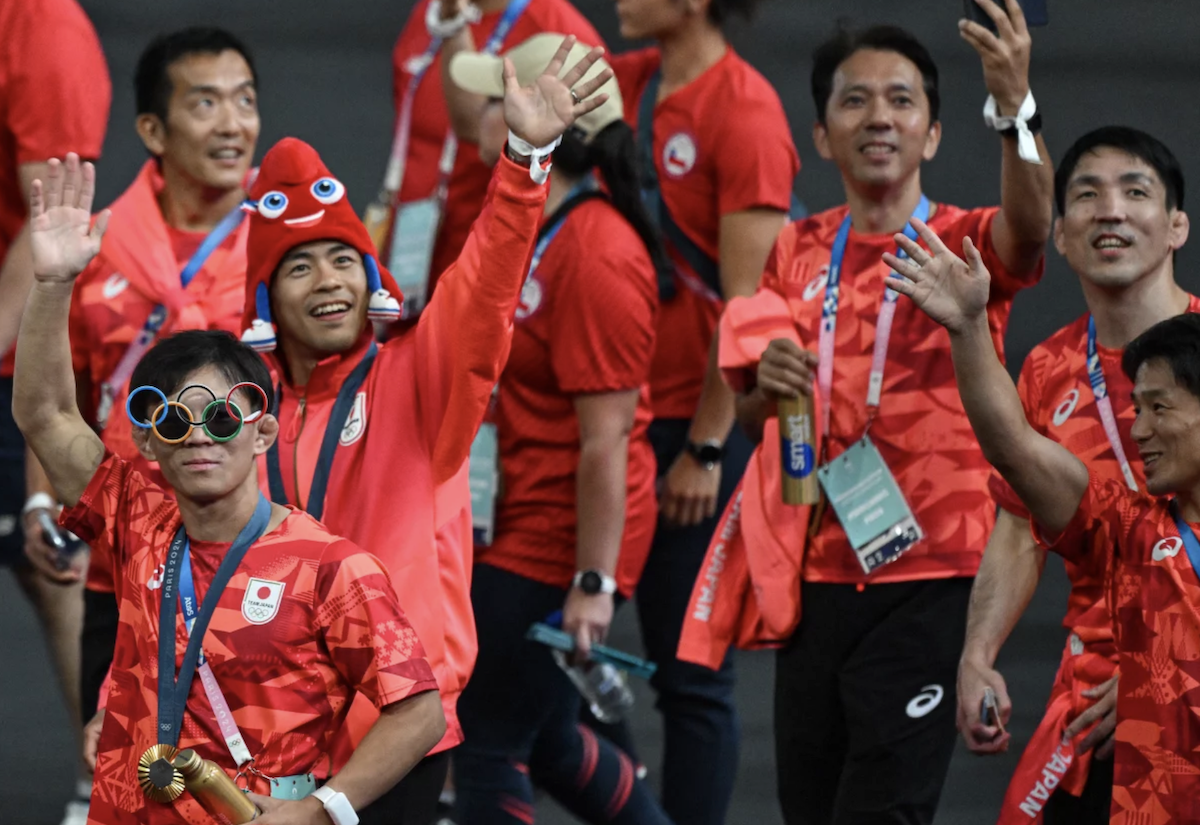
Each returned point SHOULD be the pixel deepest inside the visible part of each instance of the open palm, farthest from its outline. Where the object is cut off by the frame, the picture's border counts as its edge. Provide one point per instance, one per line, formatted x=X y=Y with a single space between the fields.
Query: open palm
x=540 y=112
x=62 y=236
x=948 y=289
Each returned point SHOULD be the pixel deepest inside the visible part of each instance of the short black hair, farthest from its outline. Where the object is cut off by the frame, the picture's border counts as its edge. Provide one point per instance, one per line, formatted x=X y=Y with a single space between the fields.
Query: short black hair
x=169 y=362
x=1126 y=139
x=152 y=81
x=846 y=41
x=719 y=11
x=1175 y=341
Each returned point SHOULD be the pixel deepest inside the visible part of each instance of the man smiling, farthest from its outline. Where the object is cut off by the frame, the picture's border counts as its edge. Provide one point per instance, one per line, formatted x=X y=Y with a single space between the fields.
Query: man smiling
x=374 y=438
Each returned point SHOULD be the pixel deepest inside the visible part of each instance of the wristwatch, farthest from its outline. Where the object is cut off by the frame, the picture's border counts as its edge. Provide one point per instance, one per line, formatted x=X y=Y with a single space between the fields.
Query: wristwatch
x=708 y=454
x=336 y=805
x=593 y=582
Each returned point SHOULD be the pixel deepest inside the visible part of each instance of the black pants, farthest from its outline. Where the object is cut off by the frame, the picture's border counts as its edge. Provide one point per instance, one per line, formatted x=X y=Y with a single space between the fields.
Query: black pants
x=1092 y=807
x=414 y=799
x=865 y=702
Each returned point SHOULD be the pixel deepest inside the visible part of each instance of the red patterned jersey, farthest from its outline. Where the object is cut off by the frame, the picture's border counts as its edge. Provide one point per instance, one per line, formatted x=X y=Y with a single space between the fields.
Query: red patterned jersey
x=307 y=620
x=1059 y=404
x=921 y=429
x=585 y=325
x=709 y=165
x=1155 y=595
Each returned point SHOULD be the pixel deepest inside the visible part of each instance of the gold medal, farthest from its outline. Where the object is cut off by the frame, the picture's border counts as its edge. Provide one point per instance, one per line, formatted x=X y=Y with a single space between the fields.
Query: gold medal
x=161 y=781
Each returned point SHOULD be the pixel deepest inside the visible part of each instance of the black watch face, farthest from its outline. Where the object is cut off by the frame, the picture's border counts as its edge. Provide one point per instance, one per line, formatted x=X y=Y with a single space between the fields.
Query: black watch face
x=708 y=454
x=590 y=582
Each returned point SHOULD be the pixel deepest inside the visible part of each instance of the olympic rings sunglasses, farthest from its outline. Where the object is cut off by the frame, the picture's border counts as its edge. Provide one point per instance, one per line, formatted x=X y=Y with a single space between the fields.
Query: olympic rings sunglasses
x=222 y=419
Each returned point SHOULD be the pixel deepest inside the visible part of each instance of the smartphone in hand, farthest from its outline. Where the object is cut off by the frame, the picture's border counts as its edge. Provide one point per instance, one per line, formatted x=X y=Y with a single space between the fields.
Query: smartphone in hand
x=1035 y=11
x=989 y=711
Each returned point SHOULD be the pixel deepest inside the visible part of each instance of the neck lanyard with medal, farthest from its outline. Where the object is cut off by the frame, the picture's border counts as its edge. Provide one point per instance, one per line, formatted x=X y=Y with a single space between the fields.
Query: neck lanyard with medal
x=1104 y=405
x=858 y=483
x=160 y=780
x=484 y=461
x=158 y=316
x=415 y=224
x=329 y=441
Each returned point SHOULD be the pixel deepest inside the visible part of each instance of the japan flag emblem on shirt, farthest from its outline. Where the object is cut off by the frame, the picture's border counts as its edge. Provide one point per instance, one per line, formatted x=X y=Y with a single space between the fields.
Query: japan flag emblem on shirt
x=679 y=155
x=261 y=602
x=356 y=421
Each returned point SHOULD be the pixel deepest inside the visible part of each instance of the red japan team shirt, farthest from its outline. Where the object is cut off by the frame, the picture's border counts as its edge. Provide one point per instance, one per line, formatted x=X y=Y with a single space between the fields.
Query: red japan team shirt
x=585 y=325
x=431 y=120
x=1155 y=596
x=54 y=98
x=920 y=428
x=721 y=145
x=1059 y=404
x=337 y=629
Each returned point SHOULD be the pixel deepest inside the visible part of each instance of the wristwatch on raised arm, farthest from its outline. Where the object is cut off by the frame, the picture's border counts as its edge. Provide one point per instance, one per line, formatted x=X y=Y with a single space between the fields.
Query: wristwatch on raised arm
x=708 y=454
x=336 y=805
x=593 y=582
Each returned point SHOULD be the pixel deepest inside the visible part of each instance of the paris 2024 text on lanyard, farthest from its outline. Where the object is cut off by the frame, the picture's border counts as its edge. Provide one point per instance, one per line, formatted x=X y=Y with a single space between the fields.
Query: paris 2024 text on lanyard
x=858 y=484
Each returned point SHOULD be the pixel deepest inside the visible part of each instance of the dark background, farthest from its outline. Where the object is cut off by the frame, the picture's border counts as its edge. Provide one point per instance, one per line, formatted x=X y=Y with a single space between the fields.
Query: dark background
x=325 y=76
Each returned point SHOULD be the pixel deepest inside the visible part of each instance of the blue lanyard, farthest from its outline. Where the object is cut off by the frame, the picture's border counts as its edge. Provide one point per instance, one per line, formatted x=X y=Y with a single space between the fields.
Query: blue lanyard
x=1190 y=543
x=829 y=310
x=512 y=13
x=329 y=442
x=1104 y=405
x=214 y=239
x=177 y=582
x=588 y=184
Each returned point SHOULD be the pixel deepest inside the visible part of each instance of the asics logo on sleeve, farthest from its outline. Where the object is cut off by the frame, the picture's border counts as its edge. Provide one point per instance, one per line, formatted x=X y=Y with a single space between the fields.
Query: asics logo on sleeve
x=1063 y=411
x=925 y=701
x=114 y=286
x=1166 y=548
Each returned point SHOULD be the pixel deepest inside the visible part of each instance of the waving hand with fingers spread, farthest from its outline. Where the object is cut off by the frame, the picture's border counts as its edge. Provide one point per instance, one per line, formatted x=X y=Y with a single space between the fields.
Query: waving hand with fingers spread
x=947 y=289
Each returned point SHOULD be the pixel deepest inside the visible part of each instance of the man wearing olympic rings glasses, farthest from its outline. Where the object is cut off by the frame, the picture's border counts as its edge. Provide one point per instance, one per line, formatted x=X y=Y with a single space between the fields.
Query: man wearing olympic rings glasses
x=286 y=600
x=374 y=439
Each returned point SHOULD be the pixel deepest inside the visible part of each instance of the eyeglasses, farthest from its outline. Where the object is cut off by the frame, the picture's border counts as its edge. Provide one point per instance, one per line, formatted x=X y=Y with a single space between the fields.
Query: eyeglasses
x=173 y=421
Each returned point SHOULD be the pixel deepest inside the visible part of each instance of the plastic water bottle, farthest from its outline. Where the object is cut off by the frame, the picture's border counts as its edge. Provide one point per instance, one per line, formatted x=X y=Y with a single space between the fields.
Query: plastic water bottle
x=603 y=686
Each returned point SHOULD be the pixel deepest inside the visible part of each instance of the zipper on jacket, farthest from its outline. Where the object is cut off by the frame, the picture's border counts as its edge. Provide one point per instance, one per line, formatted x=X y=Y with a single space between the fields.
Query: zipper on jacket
x=303 y=415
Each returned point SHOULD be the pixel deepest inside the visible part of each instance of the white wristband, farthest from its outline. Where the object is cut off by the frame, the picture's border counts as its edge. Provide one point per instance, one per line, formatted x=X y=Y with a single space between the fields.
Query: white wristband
x=336 y=805
x=1026 y=144
x=536 y=155
x=440 y=29
x=39 y=501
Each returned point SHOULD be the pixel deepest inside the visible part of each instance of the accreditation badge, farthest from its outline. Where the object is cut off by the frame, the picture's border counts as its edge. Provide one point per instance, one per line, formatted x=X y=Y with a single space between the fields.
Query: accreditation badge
x=414 y=234
x=484 y=475
x=868 y=502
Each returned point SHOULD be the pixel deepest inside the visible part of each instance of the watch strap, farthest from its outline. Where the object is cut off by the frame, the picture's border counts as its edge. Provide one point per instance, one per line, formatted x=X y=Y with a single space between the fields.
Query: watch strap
x=336 y=805
x=1022 y=124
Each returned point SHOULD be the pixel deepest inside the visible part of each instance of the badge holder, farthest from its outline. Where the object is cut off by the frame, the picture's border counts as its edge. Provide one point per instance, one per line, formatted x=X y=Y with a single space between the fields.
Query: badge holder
x=484 y=479
x=414 y=234
x=868 y=503
x=293 y=787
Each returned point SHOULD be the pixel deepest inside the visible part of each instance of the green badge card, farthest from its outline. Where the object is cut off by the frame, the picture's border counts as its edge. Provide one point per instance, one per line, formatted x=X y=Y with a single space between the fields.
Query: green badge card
x=869 y=505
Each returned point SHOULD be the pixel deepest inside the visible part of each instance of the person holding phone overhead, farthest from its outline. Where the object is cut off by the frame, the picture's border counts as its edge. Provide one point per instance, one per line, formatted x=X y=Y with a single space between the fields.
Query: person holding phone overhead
x=864 y=689
x=718 y=182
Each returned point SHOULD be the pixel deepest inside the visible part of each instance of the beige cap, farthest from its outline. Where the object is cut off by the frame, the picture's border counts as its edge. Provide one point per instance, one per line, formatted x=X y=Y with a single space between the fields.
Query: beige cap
x=483 y=74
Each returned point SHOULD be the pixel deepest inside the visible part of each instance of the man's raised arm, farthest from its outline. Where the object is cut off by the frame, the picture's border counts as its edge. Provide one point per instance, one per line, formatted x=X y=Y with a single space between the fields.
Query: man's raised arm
x=63 y=241
x=1047 y=477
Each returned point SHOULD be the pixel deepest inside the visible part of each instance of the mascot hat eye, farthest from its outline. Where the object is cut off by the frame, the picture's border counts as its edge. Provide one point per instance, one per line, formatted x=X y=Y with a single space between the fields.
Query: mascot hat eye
x=328 y=190
x=272 y=204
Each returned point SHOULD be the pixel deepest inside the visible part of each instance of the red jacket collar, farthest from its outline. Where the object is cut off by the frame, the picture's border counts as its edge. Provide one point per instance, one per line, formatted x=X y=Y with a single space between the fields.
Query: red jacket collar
x=329 y=374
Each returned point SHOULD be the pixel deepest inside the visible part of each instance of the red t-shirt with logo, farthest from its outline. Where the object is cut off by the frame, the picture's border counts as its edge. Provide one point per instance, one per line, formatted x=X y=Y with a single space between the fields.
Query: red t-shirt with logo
x=1156 y=604
x=585 y=325
x=54 y=99
x=1058 y=400
x=920 y=428
x=713 y=159
x=431 y=120
x=307 y=620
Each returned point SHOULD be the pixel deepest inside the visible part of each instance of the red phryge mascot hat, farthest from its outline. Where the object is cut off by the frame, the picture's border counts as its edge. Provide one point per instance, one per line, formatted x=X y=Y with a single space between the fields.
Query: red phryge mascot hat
x=297 y=201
